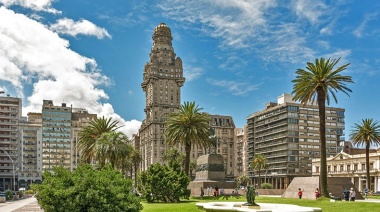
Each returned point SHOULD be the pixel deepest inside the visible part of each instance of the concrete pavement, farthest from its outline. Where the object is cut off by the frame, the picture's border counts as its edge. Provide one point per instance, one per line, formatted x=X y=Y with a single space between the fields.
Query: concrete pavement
x=27 y=204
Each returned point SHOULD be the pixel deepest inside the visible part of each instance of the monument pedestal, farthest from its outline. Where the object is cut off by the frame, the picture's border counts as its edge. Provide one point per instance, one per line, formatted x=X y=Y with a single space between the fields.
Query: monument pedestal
x=209 y=173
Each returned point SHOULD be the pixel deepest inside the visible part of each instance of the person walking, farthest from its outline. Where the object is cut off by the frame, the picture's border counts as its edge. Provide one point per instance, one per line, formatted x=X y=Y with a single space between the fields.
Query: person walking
x=317 y=193
x=346 y=194
x=216 y=190
x=300 y=192
x=352 y=194
x=202 y=192
x=366 y=193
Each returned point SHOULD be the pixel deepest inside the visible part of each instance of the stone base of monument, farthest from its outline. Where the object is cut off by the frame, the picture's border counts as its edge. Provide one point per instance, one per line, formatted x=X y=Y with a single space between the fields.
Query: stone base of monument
x=210 y=173
x=263 y=207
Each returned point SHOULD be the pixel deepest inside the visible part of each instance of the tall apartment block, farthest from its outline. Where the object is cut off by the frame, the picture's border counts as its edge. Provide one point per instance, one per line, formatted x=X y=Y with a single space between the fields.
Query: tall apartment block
x=60 y=128
x=10 y=114
x=287 y=134
x=56 y=135
x=240 y=152
x=163 y=79
x=30 y=151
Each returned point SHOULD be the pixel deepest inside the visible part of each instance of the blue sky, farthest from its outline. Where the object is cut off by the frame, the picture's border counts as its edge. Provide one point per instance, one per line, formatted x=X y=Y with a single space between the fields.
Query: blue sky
x=237 y=55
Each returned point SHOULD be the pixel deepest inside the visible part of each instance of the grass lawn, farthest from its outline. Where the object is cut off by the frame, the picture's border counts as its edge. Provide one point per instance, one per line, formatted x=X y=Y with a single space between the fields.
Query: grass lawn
x=324 y=203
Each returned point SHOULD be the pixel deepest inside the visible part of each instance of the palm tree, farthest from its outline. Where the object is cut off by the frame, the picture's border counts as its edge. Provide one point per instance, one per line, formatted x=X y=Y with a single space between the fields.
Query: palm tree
x=91 y=132
x=243 y=180
x=113 y=148
x=188 y=126
x=193 y=166
x=366 y=133
x=136 y=160
x=315 y=84
x=258 y=163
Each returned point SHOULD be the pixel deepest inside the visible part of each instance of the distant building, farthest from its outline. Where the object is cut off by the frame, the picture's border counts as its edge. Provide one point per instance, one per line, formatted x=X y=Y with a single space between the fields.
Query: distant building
x=353 y=166
x=287 y=134
x=240 y=153
x=162 y=82
x=10 y=114
x=30 y=170
x=60 y=128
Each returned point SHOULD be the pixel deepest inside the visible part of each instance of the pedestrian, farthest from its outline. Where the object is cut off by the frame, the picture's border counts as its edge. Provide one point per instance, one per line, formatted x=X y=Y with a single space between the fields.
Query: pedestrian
x=208 y=190
x=352 y=194
x=216 y=190
x=202 y=192
x=346 y=194
x=300 y=192
x=366 y=193
x=211 y=190
x=317 y=193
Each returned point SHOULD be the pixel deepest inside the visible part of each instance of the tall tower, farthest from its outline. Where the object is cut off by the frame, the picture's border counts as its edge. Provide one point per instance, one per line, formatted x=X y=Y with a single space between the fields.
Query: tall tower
x=162 y=82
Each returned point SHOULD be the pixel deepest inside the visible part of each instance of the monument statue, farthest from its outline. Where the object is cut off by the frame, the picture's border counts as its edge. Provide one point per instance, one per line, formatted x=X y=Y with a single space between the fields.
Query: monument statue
x=250 y=195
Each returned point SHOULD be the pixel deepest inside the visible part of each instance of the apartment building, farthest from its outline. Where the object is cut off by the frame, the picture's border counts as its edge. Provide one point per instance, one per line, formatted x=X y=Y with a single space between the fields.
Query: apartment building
x=10 y=114
x=30 y=152
x=240 y=153
x=287 y=134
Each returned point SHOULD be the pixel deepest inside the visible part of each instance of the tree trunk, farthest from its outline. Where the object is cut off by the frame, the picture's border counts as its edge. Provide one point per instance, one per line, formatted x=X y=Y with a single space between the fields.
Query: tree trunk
x=321 y=95
x=187 y=159
x=367 y=182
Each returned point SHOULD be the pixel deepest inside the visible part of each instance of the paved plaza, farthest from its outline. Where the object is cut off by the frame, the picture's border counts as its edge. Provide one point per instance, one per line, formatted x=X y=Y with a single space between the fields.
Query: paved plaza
x=27 y=204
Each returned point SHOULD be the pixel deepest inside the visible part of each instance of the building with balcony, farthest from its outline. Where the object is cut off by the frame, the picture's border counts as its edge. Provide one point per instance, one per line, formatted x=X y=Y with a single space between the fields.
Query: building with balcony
x=286 y=133
x=30 y=170
x=240 y=152
x=10 y=114
x=353 y=167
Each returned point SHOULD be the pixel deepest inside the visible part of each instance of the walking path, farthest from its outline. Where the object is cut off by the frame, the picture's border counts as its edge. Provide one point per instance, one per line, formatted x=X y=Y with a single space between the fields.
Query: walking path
x=27 y=204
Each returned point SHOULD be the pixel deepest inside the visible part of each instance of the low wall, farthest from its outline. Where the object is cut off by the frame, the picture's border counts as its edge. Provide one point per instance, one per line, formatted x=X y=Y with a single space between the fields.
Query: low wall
x=271 y=191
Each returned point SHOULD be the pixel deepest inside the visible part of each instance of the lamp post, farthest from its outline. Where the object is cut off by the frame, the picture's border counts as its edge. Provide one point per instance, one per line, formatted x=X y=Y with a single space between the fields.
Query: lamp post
x=13 y=165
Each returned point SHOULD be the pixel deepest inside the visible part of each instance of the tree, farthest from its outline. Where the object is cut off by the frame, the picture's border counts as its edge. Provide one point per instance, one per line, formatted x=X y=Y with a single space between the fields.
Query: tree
x=91 y=132
x=243 y=180
x=164 y=183
x=193 y=166
x=258 y=163
x=174 y=156
x=188 y=126
x=316 y=83
x=86 y=189
x=113 y=147
x=136 y=159
x=366 y=133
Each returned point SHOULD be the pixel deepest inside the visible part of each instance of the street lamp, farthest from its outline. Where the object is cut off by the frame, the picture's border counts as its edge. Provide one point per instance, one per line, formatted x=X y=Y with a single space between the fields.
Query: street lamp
x=13 y=164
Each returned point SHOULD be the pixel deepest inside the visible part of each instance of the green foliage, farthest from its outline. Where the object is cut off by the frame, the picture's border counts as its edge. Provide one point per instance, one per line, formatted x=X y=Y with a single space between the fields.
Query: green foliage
x=20 y=194
x=164 y=183
x=266 y=186
x=9 y=195
x=30 y=191
x=86 y=189
x=188 y=126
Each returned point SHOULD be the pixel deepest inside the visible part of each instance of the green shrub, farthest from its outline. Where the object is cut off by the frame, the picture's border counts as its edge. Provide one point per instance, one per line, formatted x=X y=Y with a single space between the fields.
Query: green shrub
x=20 y=194
x=266 y=186
x=164 y=183
x=30 y=191
x=86 y=189
x=9 y=195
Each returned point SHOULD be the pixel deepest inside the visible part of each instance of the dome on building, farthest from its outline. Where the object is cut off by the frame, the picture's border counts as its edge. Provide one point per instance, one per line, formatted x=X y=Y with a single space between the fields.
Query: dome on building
x=162 y=30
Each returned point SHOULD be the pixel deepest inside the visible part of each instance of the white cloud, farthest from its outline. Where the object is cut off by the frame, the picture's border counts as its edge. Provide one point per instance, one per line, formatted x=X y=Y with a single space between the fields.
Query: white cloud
x=191 y=73
x=36 y=5
x=85 y=27
x=56 y=72
x=362 y=29
x=235 y=88
x=312 y=10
